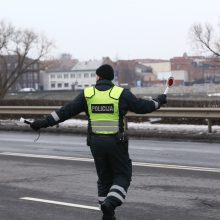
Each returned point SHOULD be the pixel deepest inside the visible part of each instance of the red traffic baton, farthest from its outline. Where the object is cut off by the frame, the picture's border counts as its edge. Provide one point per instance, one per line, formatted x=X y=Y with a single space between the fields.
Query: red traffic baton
x=170 y=83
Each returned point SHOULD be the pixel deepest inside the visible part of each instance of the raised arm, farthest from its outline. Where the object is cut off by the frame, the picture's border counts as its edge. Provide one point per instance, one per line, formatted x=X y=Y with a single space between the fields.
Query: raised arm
x=129 y=102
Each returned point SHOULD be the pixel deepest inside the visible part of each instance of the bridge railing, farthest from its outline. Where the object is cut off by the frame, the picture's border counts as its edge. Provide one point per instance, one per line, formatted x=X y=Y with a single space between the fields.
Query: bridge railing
x=199 y=113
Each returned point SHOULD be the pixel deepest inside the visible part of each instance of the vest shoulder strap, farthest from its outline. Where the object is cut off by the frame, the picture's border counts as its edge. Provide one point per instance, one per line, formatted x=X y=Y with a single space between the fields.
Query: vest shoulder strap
x=89 y=92
x=116 y=92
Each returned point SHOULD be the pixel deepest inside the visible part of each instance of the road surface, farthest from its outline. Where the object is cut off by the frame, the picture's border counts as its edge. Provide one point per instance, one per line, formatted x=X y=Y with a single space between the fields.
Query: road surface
x=55 y=179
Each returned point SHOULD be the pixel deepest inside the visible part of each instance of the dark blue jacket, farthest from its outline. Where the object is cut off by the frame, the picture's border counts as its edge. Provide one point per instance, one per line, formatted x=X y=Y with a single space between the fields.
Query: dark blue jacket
x=127 y=102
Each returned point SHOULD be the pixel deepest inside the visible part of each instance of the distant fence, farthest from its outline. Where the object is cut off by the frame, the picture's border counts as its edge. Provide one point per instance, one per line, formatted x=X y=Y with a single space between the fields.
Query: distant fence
x=199 y=113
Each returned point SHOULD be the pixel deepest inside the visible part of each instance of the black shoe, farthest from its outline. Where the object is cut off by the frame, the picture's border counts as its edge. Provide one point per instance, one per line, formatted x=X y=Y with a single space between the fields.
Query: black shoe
x=108 y=212
x=105 y=217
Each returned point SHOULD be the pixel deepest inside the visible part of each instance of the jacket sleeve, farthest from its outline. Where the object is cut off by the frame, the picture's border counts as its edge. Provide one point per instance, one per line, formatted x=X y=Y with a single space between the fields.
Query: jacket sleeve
x=67 y=111
x=129 y=102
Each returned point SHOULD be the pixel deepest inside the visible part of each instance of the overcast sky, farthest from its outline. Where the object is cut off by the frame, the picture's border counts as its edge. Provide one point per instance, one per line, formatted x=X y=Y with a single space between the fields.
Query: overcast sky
x=123 y=29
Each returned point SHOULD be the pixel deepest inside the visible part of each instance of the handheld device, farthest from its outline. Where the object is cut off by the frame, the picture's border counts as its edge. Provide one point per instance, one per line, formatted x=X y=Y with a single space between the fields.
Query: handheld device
x=25 y=121
x=29 y=122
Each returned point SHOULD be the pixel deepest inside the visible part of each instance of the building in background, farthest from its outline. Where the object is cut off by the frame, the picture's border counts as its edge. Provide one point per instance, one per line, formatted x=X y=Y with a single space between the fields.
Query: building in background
x=66 y=73
x=84 y=73
x=211 y=69
x=55 y=73
x=189 y=64
x=125 y=72
x=29 y=79
x=76 y=76
x=144 y=75
x=141 y=72
x=158 y=65
x=198 y=69
x=160 y=71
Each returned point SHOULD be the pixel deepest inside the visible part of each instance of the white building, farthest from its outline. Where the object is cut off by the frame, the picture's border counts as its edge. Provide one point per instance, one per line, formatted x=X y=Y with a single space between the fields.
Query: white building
x=179 y=75
x=159 y=66
x=57 y=80
x=69 y=80
x=82 y=75
x=85 y=73
x=61 y=80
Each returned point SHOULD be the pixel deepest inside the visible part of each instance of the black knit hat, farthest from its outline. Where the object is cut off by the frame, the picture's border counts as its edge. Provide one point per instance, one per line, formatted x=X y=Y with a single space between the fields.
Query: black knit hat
x=105 y=72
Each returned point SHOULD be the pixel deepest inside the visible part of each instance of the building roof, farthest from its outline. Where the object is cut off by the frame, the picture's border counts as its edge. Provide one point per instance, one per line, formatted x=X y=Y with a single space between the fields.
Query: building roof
x=57 y=65
x=88 y=65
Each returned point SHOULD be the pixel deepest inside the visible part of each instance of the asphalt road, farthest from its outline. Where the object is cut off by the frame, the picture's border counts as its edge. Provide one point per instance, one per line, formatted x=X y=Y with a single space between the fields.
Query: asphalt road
x=171 y=180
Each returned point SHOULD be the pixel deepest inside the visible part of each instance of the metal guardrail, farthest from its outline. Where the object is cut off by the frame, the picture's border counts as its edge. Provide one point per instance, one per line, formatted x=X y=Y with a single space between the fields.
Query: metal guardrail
x=202 y=113
x=27 y=110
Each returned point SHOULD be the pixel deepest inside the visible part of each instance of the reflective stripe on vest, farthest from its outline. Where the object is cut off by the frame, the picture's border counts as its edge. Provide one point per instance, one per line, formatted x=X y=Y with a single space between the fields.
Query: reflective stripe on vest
x=103 y=109
x=104 y=126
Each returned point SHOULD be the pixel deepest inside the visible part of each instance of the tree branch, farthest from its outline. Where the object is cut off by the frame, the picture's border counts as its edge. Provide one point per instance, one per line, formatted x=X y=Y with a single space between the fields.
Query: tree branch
x=204 y=38
x=25 y=47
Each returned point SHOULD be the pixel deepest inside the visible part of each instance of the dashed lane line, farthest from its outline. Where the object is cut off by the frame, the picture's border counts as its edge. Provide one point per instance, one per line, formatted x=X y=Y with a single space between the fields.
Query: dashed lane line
x=140 y=164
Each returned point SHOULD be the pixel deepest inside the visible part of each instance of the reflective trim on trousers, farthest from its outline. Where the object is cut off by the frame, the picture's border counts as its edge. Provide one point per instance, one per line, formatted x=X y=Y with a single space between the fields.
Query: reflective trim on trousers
x=101 y=199
x=116 y=195
x=121 y=189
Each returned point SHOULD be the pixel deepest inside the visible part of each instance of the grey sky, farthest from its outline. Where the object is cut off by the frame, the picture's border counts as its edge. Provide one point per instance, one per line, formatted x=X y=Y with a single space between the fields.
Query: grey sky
x=126 y=29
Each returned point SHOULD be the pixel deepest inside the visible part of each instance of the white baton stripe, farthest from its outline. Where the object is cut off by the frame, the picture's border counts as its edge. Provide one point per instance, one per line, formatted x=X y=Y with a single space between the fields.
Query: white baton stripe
x=119 y=188
x=116 y=195
x=55 y=116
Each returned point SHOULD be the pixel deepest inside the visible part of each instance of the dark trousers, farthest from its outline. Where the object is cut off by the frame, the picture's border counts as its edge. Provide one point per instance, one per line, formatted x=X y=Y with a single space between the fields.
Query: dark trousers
x=113 y=167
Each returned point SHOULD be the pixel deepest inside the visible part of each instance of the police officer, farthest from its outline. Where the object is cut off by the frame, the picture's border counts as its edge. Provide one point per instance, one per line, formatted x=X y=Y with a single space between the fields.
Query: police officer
x=106 y=105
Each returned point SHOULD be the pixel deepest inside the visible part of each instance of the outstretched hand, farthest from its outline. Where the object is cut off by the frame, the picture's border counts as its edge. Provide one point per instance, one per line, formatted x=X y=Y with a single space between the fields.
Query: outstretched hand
x=162 y=99
x=38 y=124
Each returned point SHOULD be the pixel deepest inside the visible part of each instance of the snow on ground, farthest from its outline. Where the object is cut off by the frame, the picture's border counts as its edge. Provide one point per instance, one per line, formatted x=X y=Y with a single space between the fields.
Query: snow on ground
x=180 y=128
x=173 y=127
x=148 y=125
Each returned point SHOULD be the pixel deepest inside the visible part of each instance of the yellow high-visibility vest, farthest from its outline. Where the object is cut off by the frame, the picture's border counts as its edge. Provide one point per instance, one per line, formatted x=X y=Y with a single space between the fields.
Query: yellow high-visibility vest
x=103 y=109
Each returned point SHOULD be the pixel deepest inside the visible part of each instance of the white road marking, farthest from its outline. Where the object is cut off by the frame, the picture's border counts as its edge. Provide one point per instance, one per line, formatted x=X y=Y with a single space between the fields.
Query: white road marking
x=140 y=164
x=44 y=156
x=177 y=167
x=61 y=203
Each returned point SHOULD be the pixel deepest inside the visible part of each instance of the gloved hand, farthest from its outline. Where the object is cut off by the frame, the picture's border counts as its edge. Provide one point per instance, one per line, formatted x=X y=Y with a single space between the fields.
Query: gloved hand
x=38 y=124
x=161 y=99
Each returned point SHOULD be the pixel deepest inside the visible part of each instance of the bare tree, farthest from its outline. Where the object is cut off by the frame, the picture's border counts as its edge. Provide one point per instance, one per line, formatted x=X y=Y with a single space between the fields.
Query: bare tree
x=25 y=46
x=204 y=38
